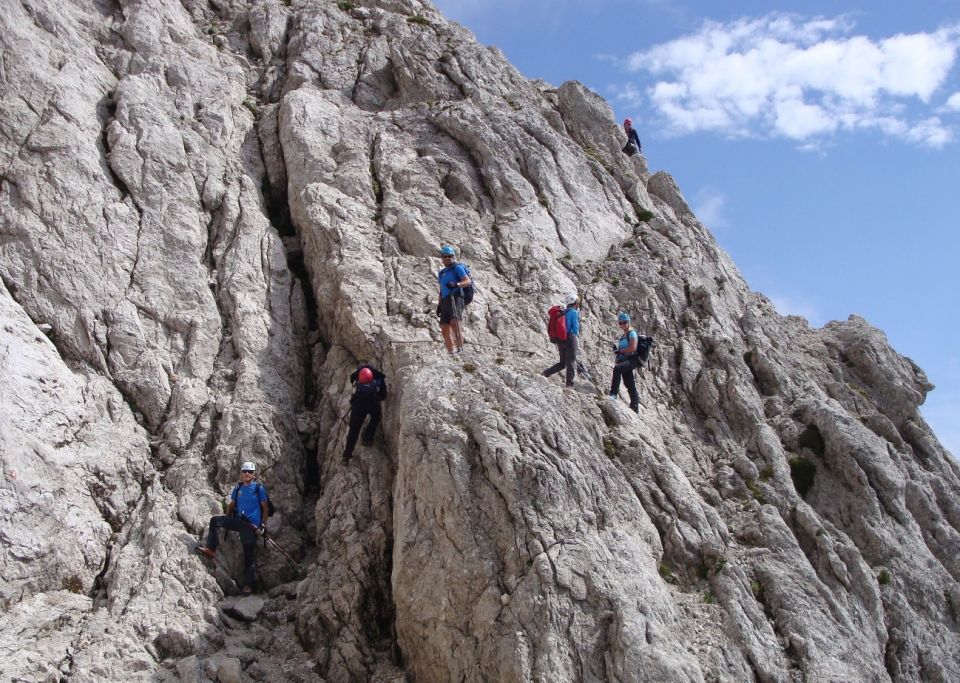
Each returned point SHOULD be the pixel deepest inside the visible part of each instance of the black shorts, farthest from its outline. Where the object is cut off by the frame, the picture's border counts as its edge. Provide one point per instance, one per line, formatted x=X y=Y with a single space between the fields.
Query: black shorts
x=451 y=308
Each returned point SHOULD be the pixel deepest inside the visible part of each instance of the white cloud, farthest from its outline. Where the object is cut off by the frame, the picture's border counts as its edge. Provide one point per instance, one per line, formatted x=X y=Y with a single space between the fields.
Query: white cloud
x=953 y=102
x=789 y=306
x=783 y=76
x=629 y=94
x=709 y=204
x=930 y=132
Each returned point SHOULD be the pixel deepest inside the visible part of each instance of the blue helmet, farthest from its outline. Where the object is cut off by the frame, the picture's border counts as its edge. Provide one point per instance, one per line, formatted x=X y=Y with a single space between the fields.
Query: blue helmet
x=447 y=250
x=623 y=317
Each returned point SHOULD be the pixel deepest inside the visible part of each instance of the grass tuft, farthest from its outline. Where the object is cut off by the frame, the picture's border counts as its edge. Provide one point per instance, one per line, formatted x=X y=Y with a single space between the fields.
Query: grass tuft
x=644 y=215
x=74 y=584
x=667 y=574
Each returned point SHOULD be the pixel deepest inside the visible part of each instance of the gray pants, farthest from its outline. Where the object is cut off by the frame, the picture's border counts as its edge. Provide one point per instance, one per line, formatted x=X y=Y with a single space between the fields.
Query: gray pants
x=568 y=359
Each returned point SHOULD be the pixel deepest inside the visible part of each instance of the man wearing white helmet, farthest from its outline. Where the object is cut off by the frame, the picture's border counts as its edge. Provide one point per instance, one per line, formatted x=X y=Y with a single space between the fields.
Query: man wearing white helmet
x=246 y=513
x=568 y=348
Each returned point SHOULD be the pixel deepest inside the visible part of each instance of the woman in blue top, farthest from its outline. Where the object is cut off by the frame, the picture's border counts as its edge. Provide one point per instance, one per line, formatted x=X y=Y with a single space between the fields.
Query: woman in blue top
x=452 y=277
x=626 y=361
x=568 y=349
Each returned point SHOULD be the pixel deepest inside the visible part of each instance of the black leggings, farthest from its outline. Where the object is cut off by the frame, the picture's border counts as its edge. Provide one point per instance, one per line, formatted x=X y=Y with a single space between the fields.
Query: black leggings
x=624 y=370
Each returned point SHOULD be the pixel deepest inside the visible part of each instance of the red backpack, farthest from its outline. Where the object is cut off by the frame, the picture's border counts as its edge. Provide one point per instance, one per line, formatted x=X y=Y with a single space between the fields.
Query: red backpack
x=557 y=324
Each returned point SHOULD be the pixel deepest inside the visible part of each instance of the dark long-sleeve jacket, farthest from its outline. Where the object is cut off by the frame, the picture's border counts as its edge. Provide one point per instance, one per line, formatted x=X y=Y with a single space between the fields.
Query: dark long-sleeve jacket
x=368 y=396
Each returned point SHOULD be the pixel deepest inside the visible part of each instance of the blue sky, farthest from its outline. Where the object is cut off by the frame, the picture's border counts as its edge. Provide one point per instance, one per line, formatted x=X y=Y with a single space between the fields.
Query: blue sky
x=819 y=141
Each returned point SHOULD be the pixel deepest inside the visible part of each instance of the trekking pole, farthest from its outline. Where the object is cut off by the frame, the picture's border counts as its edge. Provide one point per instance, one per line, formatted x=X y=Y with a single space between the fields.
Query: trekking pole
x=280 y=549
x=268 y=540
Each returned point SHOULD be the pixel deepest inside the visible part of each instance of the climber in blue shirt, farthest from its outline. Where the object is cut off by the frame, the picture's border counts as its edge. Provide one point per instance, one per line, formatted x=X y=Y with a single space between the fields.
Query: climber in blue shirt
x=452 y=278
x=626 y=361
x=246 y=512
x=568 y=349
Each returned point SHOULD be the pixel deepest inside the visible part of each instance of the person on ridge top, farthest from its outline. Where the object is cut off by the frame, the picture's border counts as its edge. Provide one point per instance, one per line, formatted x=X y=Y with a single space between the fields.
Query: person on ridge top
x=632 y=137
x=452 y=277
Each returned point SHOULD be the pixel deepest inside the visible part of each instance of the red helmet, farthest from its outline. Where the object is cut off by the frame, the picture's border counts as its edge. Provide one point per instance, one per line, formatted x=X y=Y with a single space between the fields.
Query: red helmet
x=365 y=376
x=628 y=122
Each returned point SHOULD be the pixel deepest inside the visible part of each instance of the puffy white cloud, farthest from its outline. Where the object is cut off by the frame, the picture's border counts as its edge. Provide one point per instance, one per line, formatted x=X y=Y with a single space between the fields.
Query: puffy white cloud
x=709 y=205
x=783 y=76
x=930 y=132
x=629 y=94
x=953 y=102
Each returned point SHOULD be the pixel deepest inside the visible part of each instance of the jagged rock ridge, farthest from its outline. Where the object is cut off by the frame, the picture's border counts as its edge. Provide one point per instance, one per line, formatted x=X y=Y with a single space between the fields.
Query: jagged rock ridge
x=212 y=211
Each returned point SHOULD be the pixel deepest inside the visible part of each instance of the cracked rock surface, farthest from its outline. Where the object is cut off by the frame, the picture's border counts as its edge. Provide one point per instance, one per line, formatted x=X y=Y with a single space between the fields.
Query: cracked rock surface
x=210 y=212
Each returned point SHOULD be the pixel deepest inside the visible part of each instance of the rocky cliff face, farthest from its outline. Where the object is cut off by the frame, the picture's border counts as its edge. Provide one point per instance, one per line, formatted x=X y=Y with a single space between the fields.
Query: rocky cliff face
x=211 y=211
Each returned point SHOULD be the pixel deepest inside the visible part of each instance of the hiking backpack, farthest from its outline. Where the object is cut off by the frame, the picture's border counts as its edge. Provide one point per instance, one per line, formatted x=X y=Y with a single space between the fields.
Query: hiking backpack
x=644 y=344
x=369 y=391
x=557 y=324
x=466 y=293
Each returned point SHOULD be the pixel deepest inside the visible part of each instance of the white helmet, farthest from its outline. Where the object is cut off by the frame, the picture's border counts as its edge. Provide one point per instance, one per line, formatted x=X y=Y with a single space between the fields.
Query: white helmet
x=248 y=467
x=570 y=298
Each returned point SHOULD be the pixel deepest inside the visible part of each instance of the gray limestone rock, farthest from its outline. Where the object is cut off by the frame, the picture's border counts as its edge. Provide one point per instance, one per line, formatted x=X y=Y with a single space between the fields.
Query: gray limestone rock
x=246 y=608
x=210 y=213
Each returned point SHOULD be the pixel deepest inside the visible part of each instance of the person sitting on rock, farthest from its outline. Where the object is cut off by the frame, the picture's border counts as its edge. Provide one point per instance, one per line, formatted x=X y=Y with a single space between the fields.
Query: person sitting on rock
x=626 y=361
x=371 y=389
x=568 y=349
x=246 y=512
x=633 y=140
x=452 y=277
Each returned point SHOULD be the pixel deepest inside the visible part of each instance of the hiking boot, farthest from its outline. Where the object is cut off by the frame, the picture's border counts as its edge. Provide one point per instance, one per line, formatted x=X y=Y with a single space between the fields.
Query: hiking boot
x=612 y=397
x=635 y=407
x=246 y=590
x=206 y=551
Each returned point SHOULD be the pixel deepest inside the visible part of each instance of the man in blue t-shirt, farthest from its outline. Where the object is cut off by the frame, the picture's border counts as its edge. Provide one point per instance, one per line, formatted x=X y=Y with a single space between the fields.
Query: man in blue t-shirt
x=452 y=278
x=246 y=513
x=568 y=349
